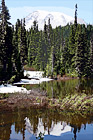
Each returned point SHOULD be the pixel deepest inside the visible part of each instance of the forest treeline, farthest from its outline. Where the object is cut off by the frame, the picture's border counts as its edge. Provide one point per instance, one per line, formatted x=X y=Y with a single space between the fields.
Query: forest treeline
x=61 y=51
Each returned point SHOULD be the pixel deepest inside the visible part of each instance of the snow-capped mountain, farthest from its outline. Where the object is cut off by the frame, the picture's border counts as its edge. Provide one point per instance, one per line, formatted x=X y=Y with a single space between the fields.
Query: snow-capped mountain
x=56 y=19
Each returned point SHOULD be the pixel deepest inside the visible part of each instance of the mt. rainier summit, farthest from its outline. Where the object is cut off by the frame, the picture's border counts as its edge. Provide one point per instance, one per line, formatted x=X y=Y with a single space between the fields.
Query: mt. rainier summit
x=56 y=19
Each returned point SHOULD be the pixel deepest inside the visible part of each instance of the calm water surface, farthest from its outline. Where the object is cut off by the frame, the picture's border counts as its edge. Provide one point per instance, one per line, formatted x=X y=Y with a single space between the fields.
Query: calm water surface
x=48 y=124
x=60 y=89
x=29 y=124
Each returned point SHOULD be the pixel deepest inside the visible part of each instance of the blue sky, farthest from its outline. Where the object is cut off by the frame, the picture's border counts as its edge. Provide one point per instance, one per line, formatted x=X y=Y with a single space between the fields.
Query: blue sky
x=21 y=8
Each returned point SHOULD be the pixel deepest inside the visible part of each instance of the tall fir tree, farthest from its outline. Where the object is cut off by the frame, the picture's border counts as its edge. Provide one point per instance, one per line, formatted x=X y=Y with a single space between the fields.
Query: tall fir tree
x=50 y=64
x=75 y=21
x=17 y=62
x=91 y=56
x=81 y=52
x=23 y=45
x=6 y=42
x=72 y=48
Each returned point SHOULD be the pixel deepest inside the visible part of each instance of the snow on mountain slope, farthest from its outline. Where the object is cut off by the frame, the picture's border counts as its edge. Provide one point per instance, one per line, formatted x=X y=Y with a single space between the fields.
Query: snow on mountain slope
x=56 y=19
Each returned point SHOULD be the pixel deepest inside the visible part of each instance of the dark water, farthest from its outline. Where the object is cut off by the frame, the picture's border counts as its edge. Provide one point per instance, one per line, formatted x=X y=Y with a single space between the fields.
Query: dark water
x=49 y=124
x=29 y=124
x=60 y=89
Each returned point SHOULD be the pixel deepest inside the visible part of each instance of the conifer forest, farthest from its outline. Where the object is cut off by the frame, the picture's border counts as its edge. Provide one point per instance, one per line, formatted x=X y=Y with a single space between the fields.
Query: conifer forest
x=61 y=51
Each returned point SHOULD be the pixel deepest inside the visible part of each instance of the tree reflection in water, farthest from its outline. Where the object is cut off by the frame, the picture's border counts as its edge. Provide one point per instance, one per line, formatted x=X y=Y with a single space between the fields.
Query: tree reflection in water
x=49 y=120
x=56 y=89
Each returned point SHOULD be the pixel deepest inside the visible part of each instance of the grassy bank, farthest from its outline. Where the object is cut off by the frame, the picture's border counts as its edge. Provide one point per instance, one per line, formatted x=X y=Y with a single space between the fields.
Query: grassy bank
x=76 y=102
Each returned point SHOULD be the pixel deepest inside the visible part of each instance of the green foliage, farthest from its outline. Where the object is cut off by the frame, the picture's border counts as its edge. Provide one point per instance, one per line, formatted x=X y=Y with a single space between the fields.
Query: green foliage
x=4 y=96
x=60 y=51
x=5 y=42
x=72 y=74
x=55 y=50
x=13 y=78
x=81 y=51
x=10 y=58
x=91 y=57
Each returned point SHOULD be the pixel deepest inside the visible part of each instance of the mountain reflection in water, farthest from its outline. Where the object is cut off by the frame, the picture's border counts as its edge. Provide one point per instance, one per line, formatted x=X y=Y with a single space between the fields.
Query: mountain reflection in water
x=27 y=124
x=56 y=129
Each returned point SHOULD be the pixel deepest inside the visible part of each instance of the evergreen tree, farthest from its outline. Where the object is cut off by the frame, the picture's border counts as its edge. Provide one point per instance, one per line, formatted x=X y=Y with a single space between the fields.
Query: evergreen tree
x=75 y=22
x=0 y=34
x=72 y=48
x=91 y=56
x=17 y=63
x=81 y=52
x=49 y=37
x=6 y=42
x=50 y=64
x=65 y=59
x=23 y=45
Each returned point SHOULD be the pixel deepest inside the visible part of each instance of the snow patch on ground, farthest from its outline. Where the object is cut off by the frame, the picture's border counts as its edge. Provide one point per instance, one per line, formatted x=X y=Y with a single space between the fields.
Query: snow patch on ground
x=32 y=81
x=11 y=89
x=36 y=78
x=34 y=74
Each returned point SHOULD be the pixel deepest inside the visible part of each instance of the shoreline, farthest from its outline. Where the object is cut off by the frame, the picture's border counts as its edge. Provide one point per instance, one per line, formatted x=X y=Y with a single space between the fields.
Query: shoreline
x=76 y=102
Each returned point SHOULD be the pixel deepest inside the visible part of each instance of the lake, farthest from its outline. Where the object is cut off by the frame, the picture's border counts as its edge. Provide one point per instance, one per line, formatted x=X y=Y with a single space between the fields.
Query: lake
x=59 y=89
x=54 y=125
x=48 y=124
